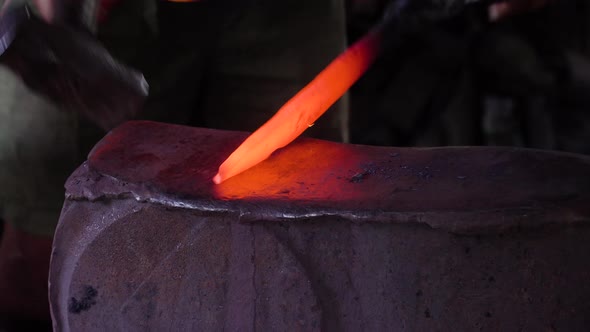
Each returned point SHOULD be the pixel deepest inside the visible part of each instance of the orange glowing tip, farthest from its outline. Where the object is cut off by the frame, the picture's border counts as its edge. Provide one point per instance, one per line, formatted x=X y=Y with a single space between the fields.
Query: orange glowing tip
x=303 y=109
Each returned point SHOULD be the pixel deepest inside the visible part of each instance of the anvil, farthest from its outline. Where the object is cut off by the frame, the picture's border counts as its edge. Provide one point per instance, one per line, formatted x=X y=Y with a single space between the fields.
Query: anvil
x=320 y=236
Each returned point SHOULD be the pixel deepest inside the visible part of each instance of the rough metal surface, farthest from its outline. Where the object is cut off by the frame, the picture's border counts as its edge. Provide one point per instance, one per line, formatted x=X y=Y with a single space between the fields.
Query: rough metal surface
x=321 y=236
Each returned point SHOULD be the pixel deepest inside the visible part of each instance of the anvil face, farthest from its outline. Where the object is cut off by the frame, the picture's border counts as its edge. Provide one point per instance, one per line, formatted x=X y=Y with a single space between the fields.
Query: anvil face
x=311 y=177
x=319 y=236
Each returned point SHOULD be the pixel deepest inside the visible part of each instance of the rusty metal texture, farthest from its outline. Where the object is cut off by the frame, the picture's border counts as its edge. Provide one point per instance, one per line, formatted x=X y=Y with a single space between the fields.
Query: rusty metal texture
x=321 y=236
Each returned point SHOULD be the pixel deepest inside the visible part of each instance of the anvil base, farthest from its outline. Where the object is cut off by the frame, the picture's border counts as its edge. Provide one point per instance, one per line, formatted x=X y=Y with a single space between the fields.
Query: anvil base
x=321 y=236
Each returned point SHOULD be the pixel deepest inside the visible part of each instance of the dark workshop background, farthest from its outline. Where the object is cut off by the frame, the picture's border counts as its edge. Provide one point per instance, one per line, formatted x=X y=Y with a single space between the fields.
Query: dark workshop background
x=523 y=82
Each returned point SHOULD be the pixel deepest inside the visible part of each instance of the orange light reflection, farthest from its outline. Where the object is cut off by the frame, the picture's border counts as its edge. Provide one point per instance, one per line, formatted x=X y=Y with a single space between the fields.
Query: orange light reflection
x=307 y=170
x=301 y=111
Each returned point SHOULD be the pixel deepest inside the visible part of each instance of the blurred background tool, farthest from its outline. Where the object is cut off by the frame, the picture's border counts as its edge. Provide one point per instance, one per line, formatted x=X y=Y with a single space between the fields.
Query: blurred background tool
x=70 y=67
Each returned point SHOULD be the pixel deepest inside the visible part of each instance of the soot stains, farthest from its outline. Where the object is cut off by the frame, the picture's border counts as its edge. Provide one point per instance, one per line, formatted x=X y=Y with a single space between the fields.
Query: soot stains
x=87 y=300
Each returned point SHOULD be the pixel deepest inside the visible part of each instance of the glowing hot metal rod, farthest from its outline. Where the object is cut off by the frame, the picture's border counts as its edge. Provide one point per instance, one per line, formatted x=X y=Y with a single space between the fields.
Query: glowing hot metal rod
x=301 y=111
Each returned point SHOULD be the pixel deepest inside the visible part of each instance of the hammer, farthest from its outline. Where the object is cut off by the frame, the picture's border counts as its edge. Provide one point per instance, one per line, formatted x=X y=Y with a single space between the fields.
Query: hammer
x=69 y=67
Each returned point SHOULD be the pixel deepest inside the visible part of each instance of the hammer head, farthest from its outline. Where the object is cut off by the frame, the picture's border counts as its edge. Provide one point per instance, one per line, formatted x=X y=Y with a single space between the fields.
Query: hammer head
x=70 y=68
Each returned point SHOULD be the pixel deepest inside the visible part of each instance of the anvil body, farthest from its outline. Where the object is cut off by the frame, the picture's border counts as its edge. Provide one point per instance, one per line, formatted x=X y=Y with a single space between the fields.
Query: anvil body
x=321 y=236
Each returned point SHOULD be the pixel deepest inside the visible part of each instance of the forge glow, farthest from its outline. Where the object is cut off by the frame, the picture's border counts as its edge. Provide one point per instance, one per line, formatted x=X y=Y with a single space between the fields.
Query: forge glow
x=301 y=111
